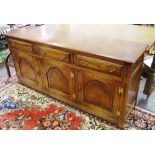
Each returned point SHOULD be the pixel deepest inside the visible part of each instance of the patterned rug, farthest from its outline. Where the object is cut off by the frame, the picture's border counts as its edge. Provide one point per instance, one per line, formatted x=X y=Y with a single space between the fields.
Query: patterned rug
x=22 y=108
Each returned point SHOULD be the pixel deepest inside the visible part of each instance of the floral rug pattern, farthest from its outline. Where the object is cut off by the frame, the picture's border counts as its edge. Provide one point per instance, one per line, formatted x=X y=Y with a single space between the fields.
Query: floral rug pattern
x=22 y=108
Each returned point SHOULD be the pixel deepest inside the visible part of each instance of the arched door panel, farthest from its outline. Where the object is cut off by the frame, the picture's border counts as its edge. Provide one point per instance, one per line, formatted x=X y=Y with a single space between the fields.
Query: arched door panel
x=99 y=93
x=59 y=80
x=28 y=69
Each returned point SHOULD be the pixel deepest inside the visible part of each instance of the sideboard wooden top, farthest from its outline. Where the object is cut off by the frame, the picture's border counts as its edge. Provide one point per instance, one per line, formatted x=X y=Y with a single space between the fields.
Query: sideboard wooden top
x=122 y=42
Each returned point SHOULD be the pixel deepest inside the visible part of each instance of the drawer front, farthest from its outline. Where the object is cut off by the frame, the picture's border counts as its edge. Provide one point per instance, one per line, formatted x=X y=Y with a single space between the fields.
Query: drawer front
x=21 y=46
x=100 y=65
x=54 y=54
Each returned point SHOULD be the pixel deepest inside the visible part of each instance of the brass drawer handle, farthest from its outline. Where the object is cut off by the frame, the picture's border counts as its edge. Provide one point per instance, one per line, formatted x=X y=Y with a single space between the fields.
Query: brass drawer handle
x=43 y=52
x=84 y=63
x=111 y=69
x=13 y=45
x=62 y=57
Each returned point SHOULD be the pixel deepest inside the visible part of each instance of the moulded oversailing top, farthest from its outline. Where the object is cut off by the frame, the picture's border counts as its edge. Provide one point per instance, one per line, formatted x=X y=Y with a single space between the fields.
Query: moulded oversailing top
x=122 y=42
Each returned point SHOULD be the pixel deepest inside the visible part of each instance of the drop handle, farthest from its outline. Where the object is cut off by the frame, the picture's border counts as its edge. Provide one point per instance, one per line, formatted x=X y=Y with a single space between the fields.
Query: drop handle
x=111 y=69
x=62 y=57
x=43 y=52
x=84 y=63
x=13 y=45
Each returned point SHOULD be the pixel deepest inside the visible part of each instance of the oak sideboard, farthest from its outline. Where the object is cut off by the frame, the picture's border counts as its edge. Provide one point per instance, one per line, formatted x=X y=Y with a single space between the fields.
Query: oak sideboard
x=96 y=68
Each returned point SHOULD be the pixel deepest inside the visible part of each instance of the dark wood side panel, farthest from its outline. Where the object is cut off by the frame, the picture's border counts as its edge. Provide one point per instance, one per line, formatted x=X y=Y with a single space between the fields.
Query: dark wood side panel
x=134 y=84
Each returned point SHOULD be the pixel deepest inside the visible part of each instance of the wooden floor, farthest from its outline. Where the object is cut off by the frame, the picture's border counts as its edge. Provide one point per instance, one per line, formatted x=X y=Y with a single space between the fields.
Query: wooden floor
x=141 y=100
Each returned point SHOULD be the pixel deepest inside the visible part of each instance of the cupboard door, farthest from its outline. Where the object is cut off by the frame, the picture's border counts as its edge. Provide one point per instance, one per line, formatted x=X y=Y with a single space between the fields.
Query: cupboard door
x=59 y=80
x=99 y=94
x=28 y=70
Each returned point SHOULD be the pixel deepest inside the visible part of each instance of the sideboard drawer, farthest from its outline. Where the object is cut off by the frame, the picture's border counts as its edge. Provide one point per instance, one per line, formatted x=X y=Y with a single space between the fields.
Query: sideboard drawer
x=54 y=54
x=21 y=45
x=100 y=65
